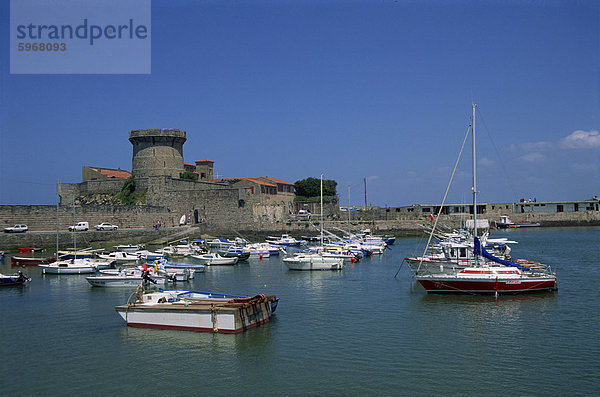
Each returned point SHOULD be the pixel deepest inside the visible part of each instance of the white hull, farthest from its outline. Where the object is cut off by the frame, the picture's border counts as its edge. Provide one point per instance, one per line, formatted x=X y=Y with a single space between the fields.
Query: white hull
x=210 y=260
x=117 y=281
x=67 y=267
x=120 y=257
x=204 y=315
x=313 y=262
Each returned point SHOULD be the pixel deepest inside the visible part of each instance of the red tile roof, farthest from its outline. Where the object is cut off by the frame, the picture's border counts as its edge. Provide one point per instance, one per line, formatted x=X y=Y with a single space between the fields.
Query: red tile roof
x=255 y=180
x=277 y=180
x=260 y=182
x=204 y=161
x=119 y=174
x=188 y=164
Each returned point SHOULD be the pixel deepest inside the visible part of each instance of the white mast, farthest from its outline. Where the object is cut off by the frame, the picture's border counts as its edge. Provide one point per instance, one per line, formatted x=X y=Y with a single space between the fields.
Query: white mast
x=74 y=232
x=57 y=195
x=321 y=210
x=474 y=178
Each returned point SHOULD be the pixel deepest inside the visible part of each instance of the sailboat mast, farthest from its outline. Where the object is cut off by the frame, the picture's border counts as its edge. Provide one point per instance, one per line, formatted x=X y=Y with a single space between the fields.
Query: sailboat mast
x=57 y=187
x=74 y=231
x=321 y=210
x=474 y=177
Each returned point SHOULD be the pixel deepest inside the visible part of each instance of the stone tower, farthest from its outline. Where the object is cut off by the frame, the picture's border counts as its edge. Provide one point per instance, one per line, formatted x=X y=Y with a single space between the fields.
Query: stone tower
x=157 y=152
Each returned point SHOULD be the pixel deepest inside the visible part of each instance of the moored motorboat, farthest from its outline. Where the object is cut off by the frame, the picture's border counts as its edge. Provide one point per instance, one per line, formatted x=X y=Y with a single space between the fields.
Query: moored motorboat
x=126 y=278
x=285 y=240
x=214 y=259
x=13 y=279
x=129 y=247
x=307 y=261
x=505 y=223
x=235 y=252
x=121 y=257
x=196 y=311
x=146 y=255
x=192 y=267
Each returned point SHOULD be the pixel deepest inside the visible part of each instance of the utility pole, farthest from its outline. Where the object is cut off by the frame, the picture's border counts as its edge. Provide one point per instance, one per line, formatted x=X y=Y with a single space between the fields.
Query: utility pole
x=348 y=206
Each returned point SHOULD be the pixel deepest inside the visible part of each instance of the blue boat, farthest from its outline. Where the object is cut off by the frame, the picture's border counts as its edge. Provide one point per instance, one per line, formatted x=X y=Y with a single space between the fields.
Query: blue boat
x=195 y=267
x=14 y=279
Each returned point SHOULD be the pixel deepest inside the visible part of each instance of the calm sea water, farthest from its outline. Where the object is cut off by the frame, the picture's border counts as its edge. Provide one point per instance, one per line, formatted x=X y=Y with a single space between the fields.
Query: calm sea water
x=359 y=331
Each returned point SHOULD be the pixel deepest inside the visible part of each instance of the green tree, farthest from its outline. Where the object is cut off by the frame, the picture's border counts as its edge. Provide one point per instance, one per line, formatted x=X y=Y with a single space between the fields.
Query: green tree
x=309 y=189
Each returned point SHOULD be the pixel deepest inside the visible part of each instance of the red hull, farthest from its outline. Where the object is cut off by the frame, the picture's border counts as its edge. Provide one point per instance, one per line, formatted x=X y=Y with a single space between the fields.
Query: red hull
x=455 y=285
x=20 y=261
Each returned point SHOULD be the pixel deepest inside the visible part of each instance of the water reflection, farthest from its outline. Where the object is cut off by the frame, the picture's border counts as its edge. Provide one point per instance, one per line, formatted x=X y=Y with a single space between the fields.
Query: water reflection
x=173 y=340
x=313 y=279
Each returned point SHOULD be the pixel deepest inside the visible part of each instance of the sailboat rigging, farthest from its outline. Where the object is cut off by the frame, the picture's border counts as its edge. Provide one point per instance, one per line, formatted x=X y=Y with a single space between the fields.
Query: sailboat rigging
x=484 y=272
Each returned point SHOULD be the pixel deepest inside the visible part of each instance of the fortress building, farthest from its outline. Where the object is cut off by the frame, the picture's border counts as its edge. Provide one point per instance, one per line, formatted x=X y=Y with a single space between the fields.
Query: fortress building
x=157 y=166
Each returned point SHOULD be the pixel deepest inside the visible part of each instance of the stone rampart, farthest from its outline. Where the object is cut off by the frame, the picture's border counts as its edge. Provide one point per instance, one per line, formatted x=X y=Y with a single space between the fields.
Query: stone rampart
x=82 y=239
x=43 y=217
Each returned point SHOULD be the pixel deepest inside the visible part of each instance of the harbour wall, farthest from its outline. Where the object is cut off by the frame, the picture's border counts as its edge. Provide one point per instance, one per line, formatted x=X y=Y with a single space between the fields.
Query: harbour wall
x=82 y=239
x=219 y=217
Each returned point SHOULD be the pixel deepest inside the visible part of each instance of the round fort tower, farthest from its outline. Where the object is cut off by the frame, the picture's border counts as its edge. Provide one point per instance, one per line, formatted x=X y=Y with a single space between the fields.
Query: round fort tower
x=157 y=152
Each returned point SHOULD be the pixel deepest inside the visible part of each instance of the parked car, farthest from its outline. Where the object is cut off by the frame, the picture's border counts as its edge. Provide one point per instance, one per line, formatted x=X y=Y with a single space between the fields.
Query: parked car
x=16 y=229
x=106 y=226
x=80 y=226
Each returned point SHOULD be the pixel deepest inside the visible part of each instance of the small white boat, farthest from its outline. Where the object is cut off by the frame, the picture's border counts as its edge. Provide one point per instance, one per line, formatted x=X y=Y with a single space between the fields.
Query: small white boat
x=129 y=247
x=214 y=259
x=126 y=278
x=196 y=311
x=264 y=249
x=150 y=256
x=219 y=243
x=70 y=266
x=193 y=268
x=285 y=239
x=179 y=274
x=120 y=257
x=306 y=261
x=181 y=250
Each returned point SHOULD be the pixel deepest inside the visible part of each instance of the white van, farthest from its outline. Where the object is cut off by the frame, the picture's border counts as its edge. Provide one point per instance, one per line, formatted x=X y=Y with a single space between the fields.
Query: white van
x=80 y=226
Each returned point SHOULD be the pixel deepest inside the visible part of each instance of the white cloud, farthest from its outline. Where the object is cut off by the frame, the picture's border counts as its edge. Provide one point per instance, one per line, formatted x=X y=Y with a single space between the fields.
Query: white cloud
x=486 y=162
x=532 y=157
x=531 y=146
x=581 y=140
x=582 y=167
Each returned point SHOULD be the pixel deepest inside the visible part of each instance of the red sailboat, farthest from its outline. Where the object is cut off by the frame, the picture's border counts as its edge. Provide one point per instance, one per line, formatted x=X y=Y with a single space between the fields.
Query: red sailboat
x=492 y=276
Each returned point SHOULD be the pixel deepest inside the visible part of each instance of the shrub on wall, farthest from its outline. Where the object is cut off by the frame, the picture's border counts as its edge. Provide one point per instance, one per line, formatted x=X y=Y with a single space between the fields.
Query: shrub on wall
x=129 y=195
x=192 y=176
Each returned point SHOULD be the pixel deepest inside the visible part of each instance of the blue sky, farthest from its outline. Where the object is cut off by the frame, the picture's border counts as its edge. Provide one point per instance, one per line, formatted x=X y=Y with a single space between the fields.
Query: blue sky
x=350 y=89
